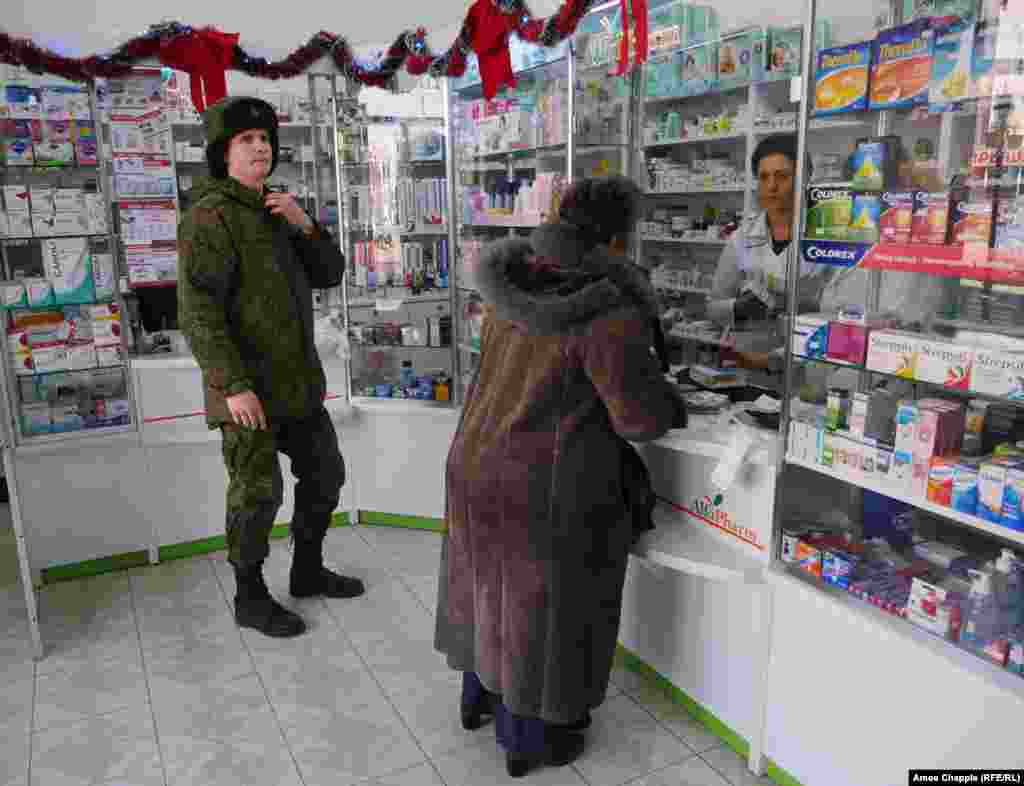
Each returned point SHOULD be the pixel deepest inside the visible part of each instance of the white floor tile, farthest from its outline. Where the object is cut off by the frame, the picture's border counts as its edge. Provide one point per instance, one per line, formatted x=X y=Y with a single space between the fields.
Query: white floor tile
x=677 y=720
x=71 y=652
x=420 y=775
x=360 y=700
x=178 y=618
x=192 y=760
x=16 y=703
x=200 y=660
x=485 y=766
x=320 y=695
x=733 y=767
x=430 y=707
x=14 y=752
x=237 y=709
x=343 y=748
x=692 y=772
x=117 y=748
x=625 y=741
x=89 y=689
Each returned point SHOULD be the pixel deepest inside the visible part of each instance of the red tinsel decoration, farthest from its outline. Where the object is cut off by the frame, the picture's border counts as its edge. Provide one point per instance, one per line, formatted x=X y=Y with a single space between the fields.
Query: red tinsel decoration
x=410 y=50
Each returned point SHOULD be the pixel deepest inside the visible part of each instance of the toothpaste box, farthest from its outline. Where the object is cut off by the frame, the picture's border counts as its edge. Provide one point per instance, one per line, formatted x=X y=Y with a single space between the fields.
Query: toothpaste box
x=931 y=217
x=965 y=488
x=893 y=352
x=1013 y=493
x=897 y=215
x=999 y=372
x=829 y=212
x=901 y=66
x=902 y=471
x=810 y=335
x=858 y=416
x=940 y=363
x=841 y=80
x=991 y=487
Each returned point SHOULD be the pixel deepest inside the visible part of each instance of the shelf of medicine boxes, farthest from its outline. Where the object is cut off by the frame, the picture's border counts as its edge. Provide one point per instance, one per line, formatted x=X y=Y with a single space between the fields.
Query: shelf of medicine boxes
x=853 y=472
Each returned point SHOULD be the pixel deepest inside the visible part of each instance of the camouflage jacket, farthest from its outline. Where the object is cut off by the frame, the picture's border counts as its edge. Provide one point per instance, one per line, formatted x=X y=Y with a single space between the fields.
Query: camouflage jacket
x=245 y=300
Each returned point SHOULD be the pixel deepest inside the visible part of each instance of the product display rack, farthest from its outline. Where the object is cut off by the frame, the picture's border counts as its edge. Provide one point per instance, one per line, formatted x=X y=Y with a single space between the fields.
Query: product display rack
x=393 y=193
x=905 y=405
x=65 y=370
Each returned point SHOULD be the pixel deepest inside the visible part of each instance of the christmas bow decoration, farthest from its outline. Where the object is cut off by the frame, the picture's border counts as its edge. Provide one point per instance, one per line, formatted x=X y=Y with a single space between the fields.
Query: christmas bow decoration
x=640 y=23
x=490 y=28
x=205 y=55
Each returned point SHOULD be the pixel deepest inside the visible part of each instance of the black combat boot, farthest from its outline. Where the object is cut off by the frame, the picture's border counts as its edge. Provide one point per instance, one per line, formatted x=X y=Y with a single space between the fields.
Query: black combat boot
x=255 y=608
x=310 y=578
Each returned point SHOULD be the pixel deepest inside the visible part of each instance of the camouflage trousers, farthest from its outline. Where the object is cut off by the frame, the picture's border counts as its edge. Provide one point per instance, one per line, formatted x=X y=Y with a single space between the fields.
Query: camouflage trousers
x=256 y=488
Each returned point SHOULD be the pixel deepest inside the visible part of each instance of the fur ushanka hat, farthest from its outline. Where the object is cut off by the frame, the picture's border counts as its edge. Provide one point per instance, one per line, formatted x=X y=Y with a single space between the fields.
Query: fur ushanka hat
x=230 y=117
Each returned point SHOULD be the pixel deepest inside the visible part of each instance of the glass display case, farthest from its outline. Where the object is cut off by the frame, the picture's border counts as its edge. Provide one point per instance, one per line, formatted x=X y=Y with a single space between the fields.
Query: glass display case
x=510 y=163
x=904 y=426
x=398 y=306
x=65 y=372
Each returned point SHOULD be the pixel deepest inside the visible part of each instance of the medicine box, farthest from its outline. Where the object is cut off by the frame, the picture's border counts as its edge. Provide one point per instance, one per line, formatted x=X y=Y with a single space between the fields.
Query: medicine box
x=893 y=352
x=999 y=372
x=941 y=363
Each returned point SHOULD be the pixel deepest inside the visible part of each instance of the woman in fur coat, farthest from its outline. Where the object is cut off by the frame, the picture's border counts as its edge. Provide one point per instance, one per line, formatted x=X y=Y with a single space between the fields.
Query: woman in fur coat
x=538 y=528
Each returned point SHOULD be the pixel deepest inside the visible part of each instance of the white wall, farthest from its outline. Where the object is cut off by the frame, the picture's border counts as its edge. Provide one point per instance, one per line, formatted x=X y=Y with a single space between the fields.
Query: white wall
x=851 y=702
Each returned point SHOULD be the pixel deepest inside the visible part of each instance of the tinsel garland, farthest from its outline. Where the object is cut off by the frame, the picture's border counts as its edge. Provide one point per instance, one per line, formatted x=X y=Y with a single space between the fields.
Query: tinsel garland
x=410 y=49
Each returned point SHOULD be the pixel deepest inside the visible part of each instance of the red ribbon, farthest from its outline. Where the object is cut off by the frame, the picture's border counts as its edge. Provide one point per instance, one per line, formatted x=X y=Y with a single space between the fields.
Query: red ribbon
x=640 y=21
x=205 y=55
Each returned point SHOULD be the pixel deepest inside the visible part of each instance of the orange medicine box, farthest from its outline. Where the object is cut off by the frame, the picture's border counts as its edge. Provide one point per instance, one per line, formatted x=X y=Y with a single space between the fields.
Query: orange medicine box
x=901 y=66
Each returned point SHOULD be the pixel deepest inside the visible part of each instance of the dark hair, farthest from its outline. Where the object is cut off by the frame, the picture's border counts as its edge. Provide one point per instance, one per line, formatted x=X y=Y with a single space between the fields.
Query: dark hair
x=778 y=144
x=602 y=208
x=217 y=159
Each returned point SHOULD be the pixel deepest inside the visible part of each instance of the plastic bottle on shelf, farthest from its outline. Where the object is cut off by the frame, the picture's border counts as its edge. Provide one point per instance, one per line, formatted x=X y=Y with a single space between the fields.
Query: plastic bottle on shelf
x=982 y=620
x=1011 y=586
x=408 y=376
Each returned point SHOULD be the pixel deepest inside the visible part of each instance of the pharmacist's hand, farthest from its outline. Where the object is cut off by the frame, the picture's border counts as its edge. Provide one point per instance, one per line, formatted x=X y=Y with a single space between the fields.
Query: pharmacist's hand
x=247 y=411
x=749 y=306
x=284 y=205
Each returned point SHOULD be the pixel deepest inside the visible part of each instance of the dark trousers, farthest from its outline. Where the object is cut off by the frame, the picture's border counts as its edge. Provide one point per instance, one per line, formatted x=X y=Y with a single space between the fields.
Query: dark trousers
x=256 y=488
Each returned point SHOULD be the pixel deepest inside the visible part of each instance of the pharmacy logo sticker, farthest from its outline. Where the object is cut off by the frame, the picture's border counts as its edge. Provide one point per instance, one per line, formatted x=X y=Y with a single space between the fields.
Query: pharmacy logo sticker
x=709 y=510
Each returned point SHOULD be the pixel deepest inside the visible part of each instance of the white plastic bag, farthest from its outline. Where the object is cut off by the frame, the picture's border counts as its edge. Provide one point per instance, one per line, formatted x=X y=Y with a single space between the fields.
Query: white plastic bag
x=329 y=337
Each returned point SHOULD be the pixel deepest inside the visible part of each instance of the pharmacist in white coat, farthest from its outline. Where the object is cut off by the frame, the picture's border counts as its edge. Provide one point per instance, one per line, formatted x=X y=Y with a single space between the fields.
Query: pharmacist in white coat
x=750 y=281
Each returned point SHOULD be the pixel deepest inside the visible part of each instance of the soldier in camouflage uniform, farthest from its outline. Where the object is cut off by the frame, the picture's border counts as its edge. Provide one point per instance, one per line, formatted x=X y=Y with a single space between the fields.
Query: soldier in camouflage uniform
x=249 y=262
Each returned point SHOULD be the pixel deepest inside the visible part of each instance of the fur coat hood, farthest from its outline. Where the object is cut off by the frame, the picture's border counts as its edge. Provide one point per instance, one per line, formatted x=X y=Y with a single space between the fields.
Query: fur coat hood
x=549 y=286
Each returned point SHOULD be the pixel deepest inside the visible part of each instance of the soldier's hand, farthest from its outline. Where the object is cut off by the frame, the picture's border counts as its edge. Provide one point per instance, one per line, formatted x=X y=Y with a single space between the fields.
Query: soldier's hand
x=247 y=411
x=285 y=205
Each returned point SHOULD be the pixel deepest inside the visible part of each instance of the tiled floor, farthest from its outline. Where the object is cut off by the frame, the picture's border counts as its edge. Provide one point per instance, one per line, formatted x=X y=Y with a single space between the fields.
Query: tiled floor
x=148 y=682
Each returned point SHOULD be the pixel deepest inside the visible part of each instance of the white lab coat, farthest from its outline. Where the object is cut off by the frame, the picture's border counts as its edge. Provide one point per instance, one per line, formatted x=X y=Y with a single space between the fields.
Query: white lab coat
x=749 y=261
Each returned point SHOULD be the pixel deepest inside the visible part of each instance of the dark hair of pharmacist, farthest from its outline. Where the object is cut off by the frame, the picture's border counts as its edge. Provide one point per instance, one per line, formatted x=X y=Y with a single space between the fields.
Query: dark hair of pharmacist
x=778 y=144
x=602 y=209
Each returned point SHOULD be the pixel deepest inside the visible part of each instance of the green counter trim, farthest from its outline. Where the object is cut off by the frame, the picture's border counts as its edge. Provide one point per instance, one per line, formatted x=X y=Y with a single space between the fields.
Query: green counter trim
x=94 y=567
x=375 y=519
x=138 y=559
x=700 y=713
